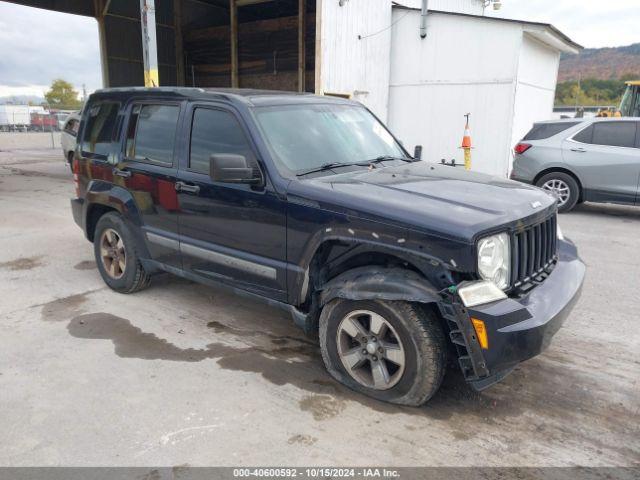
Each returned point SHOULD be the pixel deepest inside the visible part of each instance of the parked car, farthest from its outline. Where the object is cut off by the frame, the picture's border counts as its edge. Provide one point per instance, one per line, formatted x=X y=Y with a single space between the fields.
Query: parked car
x=310 y=204
x=68 y=136
x=594 y=160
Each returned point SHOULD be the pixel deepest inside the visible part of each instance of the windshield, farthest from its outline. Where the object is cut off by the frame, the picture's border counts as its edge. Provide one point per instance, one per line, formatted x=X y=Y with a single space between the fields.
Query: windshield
x=304 y=137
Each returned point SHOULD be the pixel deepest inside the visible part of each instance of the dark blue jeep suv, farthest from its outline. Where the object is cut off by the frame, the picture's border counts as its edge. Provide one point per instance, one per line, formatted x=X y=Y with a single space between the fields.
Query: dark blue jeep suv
x=311 y=204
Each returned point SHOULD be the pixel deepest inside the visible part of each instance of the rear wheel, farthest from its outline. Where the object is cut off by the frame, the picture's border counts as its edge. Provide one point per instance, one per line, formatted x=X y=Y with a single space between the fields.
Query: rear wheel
x=391 y=351
x=563 y=186
x=116 y=255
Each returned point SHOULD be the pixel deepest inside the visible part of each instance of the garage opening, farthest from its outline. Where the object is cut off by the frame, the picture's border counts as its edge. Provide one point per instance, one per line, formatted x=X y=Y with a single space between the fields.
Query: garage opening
x=266 y=44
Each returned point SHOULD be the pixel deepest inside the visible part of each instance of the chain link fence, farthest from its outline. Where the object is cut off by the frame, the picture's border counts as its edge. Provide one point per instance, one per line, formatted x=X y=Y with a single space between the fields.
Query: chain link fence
x=26 y=127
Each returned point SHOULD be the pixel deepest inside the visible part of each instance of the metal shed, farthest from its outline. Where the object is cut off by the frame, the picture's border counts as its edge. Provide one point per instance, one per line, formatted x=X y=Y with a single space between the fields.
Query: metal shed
x=502 y=71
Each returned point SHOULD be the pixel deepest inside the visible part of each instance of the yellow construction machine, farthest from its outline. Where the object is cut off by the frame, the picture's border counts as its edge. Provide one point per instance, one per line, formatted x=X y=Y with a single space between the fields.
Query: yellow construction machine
x=630 y=104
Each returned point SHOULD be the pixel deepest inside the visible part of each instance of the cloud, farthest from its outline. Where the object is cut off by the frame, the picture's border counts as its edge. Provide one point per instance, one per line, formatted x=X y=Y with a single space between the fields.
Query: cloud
x=590 y=23
x=39 y=46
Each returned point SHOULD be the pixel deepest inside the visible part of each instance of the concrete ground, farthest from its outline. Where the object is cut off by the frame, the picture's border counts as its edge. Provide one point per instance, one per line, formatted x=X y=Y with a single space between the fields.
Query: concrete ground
x=185 y=374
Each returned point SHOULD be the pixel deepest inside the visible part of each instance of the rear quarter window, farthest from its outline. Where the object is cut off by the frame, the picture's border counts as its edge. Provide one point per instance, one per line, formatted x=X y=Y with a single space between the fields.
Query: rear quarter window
x=540 y=131
x=98 y=132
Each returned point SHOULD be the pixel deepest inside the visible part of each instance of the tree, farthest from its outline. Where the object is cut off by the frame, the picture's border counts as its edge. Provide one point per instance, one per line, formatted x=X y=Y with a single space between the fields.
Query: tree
x=62 y=95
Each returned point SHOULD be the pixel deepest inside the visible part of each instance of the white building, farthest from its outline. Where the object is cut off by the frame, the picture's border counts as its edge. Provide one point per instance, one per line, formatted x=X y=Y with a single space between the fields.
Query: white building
x=503 y=72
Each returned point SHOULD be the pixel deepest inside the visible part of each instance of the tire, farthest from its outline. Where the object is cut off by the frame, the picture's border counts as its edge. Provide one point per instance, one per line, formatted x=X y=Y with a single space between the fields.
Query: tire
x=565 y=181
x=132 y=277
x=419 y=333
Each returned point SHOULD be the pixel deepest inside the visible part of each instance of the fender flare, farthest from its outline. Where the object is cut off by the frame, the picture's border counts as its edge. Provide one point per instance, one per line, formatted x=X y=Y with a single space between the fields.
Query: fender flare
x=120 y=199
x=373 y=282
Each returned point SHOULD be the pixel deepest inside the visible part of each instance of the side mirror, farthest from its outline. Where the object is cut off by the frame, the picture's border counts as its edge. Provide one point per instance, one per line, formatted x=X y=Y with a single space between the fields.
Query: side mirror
x=417 y=152
x=230 y=168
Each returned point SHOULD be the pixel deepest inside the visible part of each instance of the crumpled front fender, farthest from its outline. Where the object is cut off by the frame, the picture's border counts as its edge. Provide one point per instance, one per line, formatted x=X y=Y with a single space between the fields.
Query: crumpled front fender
x=380 y=283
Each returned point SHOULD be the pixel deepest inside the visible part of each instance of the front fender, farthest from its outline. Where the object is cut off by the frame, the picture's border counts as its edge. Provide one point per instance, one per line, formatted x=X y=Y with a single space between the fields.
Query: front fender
x=373 y=282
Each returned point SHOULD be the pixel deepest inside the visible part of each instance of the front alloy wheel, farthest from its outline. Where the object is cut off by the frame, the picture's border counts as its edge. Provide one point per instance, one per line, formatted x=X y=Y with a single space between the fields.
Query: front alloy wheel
x=370 y=350
x=393 y=351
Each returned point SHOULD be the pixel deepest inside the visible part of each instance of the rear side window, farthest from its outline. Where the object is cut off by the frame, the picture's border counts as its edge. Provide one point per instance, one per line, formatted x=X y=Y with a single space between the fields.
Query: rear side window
x=151 y=134
x=214 y=132
x=540 y=131
x=98 y=132
x=71 y=127
x=615 y=134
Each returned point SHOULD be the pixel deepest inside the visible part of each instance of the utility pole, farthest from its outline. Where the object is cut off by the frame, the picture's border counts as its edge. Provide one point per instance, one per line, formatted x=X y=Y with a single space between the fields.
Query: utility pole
x=149 y=46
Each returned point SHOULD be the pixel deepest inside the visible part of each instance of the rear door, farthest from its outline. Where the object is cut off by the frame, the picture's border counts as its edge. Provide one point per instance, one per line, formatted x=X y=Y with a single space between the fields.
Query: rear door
x=148 y=170
x=234 y=233
x=606 y=159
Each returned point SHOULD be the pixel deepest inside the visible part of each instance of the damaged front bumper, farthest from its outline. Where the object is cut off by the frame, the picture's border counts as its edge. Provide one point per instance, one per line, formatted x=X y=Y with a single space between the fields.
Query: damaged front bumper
x=517 y=328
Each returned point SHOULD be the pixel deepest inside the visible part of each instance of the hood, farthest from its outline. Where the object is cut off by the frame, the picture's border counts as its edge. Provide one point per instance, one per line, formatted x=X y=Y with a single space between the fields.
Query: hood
x=439 y=199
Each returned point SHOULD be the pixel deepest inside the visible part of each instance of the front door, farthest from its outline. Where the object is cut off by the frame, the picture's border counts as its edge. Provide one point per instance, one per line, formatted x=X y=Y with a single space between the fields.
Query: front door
x=607 y=160
x=234 y=233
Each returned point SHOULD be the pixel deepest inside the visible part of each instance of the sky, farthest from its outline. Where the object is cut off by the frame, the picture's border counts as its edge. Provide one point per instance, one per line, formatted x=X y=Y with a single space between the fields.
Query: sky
x=38 y=46
x=590 y=23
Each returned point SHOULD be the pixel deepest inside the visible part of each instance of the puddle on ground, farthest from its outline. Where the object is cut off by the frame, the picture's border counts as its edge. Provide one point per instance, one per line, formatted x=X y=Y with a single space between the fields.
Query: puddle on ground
x=85 y=265
x=322 y=407
x=63 y=309
x=543 y=386
x=287 y=360
x=26 y=263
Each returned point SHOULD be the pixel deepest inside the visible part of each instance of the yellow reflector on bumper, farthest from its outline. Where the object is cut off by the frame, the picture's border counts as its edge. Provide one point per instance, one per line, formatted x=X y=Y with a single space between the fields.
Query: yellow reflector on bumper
x=481 y=333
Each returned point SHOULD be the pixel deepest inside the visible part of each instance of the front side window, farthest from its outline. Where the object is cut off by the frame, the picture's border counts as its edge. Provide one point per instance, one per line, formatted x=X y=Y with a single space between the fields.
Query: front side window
x=98 y=132
x=151 y=134
x=304 y=137
x=216 y=132
x=615 y=134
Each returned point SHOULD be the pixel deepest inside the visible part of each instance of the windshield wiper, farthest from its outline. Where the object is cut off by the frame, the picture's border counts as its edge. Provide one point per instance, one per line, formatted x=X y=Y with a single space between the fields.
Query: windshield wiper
x=330 y=166
x=366 y=163
x=384 y=158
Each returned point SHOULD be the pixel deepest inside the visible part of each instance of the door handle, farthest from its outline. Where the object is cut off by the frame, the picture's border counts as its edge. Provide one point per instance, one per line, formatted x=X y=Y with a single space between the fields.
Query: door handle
x=121 y=173
x=579 y=150
x=184 y=187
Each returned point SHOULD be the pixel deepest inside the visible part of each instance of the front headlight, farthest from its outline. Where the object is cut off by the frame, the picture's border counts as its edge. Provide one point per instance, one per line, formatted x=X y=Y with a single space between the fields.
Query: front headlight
x=494 y=259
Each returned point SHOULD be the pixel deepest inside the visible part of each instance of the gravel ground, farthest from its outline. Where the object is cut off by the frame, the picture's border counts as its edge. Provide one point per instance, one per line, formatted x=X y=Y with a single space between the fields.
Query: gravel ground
x=185 y=374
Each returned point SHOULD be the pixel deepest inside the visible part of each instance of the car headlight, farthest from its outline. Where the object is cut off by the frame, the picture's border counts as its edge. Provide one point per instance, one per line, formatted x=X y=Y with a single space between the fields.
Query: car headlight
x=494 y=259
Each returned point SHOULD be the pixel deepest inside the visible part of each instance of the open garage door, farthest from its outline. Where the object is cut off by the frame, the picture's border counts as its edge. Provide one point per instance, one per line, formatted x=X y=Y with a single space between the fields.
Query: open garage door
x=250 y=44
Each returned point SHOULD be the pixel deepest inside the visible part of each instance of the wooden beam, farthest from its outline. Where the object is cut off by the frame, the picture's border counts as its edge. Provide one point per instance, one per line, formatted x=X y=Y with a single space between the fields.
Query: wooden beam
x=233 y=21
x=302 y=30
x=177 y=33
x=244 y=3
x=317 y=67
x=258 y=26
x=98 y=8
x=105 y=9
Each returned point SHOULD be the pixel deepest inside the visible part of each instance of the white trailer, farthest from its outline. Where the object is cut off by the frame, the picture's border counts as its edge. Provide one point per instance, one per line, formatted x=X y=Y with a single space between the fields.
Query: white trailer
x=15 y=117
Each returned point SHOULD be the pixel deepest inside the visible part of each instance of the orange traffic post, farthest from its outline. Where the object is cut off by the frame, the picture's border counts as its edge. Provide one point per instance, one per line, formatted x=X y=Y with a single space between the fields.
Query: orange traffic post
x=466 y=144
